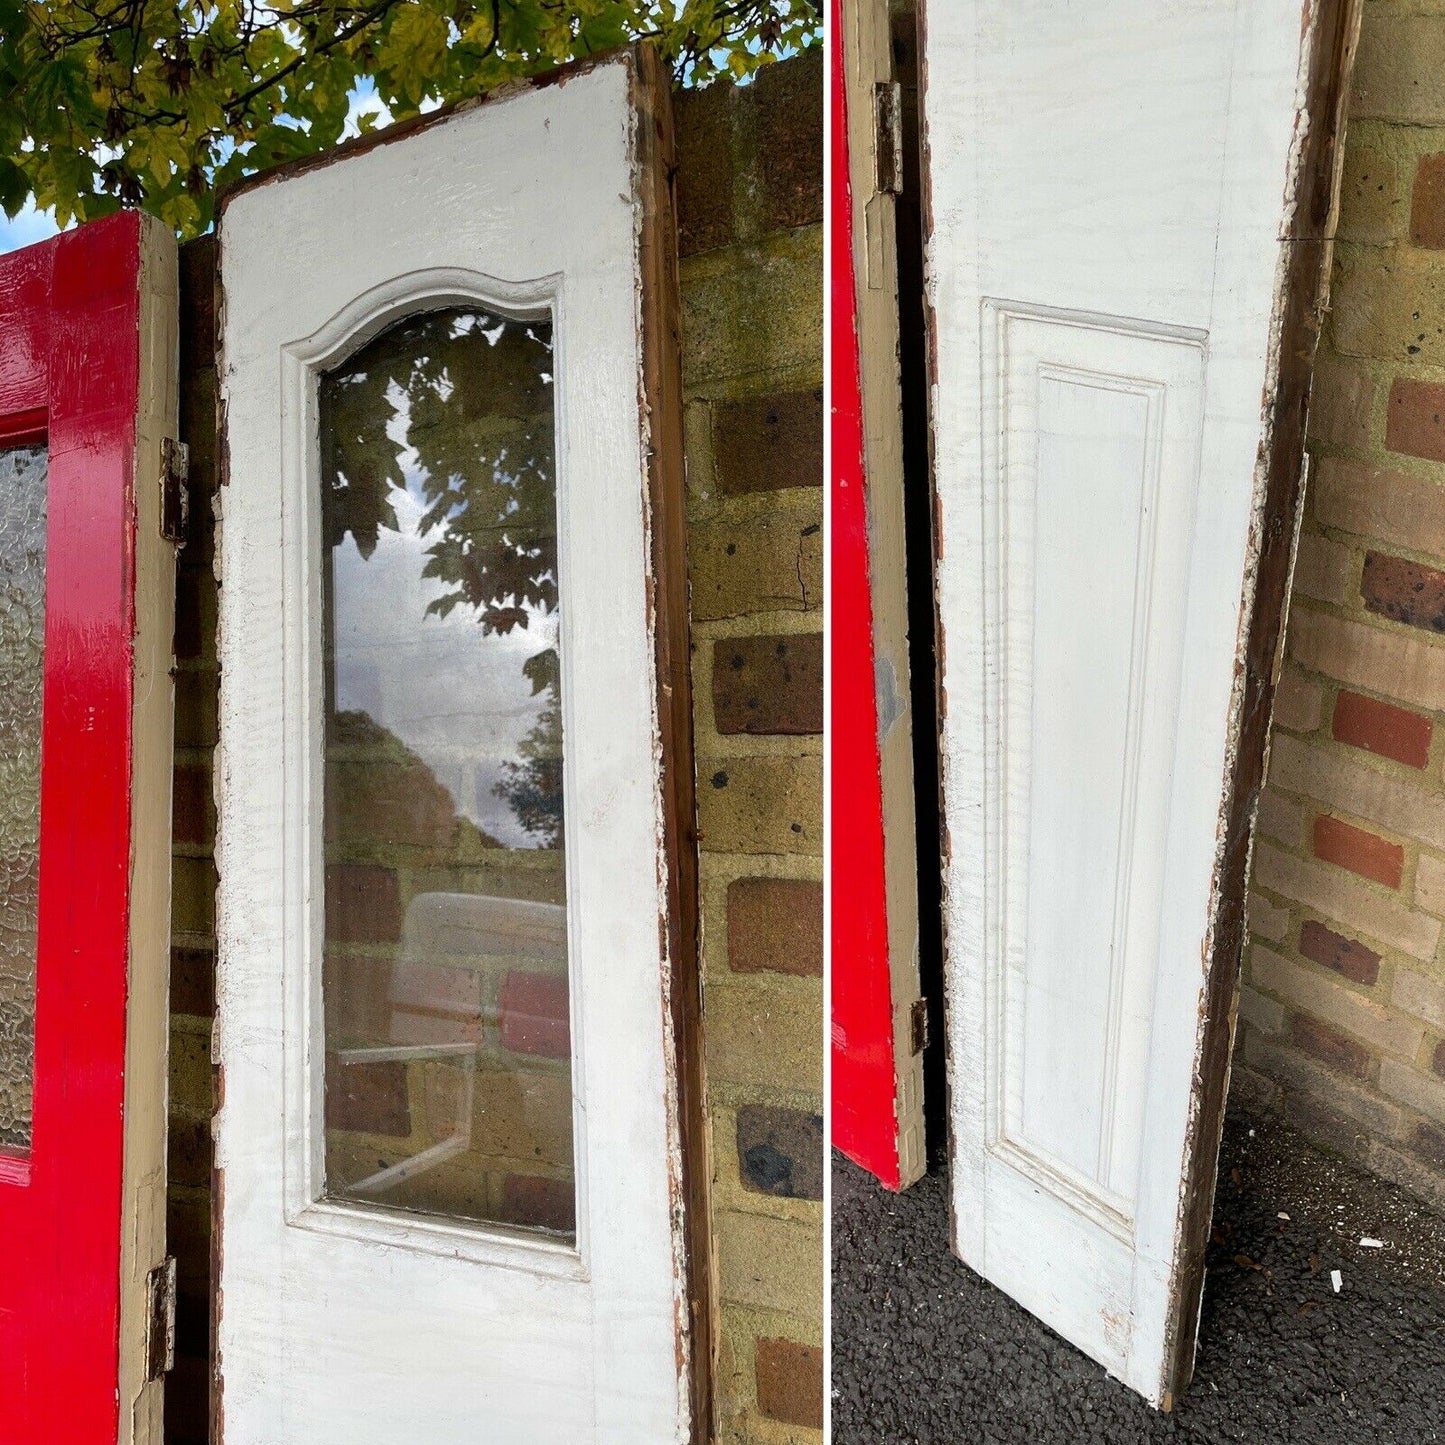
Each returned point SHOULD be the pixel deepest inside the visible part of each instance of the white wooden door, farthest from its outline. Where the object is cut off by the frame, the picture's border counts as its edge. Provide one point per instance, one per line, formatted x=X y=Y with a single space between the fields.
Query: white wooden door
x=1109 y=186
x=451 y=1201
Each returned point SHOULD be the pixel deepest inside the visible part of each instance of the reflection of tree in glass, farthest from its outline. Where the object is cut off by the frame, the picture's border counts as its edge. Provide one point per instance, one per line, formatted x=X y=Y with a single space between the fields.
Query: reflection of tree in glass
x=456 y=407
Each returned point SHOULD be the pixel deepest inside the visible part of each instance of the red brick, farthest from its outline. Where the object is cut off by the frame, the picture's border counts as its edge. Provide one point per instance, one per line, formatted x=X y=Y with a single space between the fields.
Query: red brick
x=775 y=925
x=535 y=1015
x=780 y=1151
x=363 y=904
x=1345 y=955
x=1427 y=203
x=1404 y=591
x=1415 y=422
x=1438 y=1061
x=432 y=1003
x=1383 y=728
x=768 y=685
x=765 y=443
x=535 y=1202
x=790 y=1382
x=191 y=819
x=1330 y=1047
x=367 y=1098
x=1359 y=851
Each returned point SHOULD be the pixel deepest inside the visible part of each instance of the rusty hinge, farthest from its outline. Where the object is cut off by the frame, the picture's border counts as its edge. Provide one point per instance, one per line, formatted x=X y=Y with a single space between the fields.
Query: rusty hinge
x=919 y=1021
x=888 y=140
x=175 y=494
x=161 y=1318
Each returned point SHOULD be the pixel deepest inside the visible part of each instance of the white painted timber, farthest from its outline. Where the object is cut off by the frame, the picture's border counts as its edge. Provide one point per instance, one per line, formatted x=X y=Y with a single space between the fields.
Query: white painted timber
x=1108 y=186
x=341 y=1322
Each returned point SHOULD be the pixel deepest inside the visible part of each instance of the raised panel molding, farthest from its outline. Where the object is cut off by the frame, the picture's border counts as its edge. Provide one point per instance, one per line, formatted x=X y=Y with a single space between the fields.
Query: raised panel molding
x=1091 y=434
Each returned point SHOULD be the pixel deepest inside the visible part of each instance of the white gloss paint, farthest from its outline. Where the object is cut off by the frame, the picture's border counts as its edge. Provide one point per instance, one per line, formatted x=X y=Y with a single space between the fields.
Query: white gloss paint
x=1108 y=184
x=342 y=1323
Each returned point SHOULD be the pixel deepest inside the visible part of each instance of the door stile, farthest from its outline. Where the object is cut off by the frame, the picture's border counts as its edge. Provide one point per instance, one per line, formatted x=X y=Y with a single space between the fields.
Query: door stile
x=88 y=351
x=1302 y=300
x=666 y=521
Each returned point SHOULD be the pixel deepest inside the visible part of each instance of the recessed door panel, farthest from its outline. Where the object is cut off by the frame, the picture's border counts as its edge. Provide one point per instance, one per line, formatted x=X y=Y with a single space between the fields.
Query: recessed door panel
x=1129 y=213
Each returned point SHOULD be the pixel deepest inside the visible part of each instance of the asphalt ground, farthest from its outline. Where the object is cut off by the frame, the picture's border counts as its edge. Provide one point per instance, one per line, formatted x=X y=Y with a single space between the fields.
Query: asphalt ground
x=926 y=1353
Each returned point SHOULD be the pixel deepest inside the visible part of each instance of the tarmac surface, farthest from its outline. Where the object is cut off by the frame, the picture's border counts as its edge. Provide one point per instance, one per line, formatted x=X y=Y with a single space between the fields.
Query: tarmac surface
x=926 y=1353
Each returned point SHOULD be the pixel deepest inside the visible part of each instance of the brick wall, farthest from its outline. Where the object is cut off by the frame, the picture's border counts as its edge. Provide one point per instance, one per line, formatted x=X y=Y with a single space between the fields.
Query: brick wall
x=750 y=197
x=750 y=207
x=1343 y=1010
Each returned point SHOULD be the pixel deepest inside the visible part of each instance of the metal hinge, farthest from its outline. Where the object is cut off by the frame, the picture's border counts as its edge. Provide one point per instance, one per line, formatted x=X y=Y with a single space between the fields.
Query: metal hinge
x=919 y=1022
x=175 y=494
x=161 y=1318
x=888 y=141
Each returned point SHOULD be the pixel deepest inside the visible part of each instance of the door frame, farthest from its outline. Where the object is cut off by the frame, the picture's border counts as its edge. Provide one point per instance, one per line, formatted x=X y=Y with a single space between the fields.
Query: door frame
x=660 y=418
x=88 y=365
x=1329 y=38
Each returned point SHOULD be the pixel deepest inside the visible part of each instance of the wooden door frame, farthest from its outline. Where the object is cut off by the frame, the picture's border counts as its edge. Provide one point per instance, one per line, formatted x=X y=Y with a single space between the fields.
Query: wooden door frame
x=1330 y=30
x=877 y=1033
x=88 y=366
x=660 y=415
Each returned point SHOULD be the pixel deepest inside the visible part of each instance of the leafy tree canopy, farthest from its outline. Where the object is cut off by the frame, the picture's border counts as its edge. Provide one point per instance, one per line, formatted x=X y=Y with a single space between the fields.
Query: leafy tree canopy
x=105 y=103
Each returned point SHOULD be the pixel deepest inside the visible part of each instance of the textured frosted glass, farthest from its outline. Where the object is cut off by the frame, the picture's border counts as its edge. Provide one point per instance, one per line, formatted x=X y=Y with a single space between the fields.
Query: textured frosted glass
x=22 y=655
x=448 y=1053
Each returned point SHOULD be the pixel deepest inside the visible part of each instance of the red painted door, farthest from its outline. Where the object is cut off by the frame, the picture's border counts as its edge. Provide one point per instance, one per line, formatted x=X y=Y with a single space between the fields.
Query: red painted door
x=87 y=389
x=877 y=1074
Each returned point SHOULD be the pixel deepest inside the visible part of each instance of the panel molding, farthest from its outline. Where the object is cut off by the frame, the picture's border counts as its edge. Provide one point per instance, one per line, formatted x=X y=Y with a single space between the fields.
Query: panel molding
x=1025 y=348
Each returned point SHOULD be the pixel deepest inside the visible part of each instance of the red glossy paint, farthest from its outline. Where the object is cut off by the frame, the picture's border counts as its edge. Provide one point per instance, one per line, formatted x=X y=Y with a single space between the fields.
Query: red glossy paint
x=864 y=1080
x=69 y=371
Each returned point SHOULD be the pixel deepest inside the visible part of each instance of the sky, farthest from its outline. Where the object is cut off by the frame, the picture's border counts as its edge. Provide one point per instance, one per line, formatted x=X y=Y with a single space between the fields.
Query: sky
x=32 y=225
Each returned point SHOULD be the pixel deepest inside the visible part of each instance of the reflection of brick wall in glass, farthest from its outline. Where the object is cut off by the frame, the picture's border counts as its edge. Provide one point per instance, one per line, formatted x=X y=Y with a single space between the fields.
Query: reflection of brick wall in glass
x=448 y=1055
x=22 y=657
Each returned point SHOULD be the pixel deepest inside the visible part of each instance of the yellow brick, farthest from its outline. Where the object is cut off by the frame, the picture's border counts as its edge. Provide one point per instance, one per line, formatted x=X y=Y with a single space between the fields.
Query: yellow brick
x=1318 y=995
x=1424 y=998
x=767 y=1033
x=1323 y=570
x=1430 y=884
x=771 y=1264
x=1400 y=69
x=761 y=805
x=1298 y=703
x=1336 y=894
x=1370 y=501
x=1338 y=777
x=1375 y=658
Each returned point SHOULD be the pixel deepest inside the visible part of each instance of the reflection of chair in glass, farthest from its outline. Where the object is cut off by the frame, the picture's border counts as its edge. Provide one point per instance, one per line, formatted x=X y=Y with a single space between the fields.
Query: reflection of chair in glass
x=458 y=952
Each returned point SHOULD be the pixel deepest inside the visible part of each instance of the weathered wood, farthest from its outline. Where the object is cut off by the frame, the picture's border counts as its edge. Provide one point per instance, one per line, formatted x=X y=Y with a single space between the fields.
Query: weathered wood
x=1117 y=514
x=340 y=1321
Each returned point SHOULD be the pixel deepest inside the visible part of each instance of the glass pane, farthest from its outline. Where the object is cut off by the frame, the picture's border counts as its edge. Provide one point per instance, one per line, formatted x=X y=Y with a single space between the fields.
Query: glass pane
x=22 y=662
x=448 y=1055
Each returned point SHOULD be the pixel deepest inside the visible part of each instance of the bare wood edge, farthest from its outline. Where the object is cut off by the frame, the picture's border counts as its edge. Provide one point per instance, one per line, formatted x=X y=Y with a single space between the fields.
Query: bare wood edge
x=936 y=545
x=208 y=272
x=661 y=415
x=1330 y=31
x=153 y=577
x=866 y=61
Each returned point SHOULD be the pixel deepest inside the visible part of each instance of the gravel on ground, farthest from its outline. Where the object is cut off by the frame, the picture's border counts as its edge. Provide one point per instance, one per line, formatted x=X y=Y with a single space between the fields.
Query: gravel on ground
x=926 y=1353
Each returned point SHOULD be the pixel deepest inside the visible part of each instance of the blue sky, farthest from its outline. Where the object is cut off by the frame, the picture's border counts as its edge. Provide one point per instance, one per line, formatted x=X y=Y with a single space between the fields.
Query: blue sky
x=30 y=225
